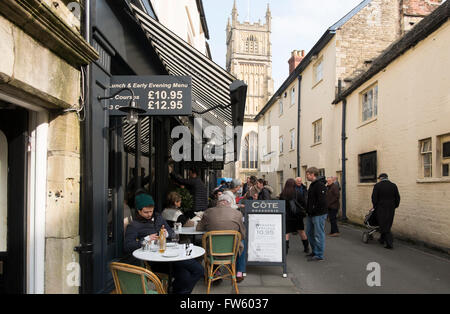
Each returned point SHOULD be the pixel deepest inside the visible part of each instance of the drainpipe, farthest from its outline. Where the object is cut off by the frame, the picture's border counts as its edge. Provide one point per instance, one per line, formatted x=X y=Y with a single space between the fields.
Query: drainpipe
x=86 y=236
x=298 y=124
x=344 y=156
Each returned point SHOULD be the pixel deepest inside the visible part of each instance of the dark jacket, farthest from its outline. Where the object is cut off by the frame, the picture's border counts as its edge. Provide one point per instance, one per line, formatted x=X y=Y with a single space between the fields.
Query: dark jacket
x=264 y=194
x=300 y=203
x=333 y=196
x=385 y=199
x=317 y=198
x=140 y=228
x=197 y=189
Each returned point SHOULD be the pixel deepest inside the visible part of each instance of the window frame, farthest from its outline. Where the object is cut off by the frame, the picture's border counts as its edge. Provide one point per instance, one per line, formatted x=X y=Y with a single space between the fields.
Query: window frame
x=373 y=89
x=318 y=65
x=317 y=139
x=363 y=177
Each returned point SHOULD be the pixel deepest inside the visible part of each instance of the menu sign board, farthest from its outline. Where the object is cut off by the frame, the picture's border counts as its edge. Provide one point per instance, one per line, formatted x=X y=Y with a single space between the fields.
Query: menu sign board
x=266 y=233
x=161 y=95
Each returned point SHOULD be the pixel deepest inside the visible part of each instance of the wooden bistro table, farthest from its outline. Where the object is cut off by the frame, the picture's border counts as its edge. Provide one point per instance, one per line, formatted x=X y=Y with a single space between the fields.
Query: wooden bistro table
x=173 y=253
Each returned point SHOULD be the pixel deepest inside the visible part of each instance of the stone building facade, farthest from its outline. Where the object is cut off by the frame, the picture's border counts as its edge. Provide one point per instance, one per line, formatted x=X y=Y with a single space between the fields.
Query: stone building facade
x=43 y=51
x=249 y=58
x=345 y=50
x=407 y=136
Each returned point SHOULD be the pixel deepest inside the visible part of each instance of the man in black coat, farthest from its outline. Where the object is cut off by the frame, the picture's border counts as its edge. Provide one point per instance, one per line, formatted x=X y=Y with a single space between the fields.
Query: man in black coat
x=385 y=199
x=196 y=187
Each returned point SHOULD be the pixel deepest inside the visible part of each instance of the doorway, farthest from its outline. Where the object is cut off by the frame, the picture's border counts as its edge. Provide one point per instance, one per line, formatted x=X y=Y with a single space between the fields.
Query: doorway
x=13 y=198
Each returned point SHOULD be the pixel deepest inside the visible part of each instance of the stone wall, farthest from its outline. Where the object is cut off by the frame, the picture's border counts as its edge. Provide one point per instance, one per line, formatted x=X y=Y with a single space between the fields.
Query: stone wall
x=31 y=72
x=366 y=35
x=63 y=194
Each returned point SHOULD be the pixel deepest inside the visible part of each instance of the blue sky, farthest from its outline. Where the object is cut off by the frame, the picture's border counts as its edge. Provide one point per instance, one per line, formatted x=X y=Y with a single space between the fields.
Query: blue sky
x=296 y=25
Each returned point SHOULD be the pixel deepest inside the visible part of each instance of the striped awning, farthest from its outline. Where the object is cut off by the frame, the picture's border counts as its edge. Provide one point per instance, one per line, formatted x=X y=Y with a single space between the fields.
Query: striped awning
x=217 y=96
x=210 y=82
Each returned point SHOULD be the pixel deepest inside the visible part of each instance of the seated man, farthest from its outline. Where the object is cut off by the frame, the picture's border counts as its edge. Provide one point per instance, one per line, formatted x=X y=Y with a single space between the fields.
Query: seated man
x=149 y=223
x=224 y=217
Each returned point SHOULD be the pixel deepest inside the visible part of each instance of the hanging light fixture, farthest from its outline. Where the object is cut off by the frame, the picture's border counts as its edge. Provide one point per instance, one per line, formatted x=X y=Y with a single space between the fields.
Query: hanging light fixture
x=132 y=110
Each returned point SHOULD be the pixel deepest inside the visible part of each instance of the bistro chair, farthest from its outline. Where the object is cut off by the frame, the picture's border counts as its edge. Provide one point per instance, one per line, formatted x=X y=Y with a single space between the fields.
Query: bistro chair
x=164 y=278
x=221 y=251
x=130 y=279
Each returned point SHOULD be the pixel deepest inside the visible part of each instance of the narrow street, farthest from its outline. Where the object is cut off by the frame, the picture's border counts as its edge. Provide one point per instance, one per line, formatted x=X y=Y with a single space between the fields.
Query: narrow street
x=406 y=269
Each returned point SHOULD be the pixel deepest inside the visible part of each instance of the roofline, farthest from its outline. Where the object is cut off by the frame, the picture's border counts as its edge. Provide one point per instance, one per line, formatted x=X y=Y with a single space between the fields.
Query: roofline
x=349 y=15
x=201 y=11
x=418 y=33
x=320 y=44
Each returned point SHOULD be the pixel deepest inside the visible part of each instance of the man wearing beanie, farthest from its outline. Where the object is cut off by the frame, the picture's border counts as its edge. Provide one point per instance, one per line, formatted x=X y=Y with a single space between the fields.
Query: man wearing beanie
x=149 y=223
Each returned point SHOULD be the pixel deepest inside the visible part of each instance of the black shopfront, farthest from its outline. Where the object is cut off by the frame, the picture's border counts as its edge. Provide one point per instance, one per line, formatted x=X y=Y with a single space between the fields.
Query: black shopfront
x=131 y=42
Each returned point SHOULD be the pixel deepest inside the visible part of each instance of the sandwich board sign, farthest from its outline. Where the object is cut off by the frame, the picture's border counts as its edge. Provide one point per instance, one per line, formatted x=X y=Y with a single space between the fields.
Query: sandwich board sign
x=266 y=233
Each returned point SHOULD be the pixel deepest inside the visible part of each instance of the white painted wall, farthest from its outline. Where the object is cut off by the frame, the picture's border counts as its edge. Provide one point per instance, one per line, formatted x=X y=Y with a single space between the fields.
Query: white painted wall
x=182 y=18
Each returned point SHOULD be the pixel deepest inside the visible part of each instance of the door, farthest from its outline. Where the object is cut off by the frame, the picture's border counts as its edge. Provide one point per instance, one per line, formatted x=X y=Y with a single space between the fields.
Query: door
x=13 y=196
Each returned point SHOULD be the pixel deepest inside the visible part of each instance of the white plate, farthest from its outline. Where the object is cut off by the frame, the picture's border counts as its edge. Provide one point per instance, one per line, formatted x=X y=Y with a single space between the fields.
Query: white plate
x=170 y=254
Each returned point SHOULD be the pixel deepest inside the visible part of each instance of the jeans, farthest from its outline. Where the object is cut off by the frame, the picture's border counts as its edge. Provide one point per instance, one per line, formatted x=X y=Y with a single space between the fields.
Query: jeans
x=315 y=230
x=240 y=262
x=332 y=213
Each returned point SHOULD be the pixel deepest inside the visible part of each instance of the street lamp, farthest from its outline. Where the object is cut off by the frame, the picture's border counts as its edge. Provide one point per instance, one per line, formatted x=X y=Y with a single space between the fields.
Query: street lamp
x=132 y=110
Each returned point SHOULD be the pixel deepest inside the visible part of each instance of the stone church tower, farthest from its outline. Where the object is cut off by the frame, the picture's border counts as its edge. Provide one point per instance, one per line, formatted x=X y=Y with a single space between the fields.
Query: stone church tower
x=249 y=58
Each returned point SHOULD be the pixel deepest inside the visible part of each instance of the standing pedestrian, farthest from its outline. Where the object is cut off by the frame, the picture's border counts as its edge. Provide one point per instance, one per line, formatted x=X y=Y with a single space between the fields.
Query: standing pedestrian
x=385 y=199
x=295 y=211
x=264 y=192
x=317 y=210
x=196 y=187
x=333 y=205
x=300 y=195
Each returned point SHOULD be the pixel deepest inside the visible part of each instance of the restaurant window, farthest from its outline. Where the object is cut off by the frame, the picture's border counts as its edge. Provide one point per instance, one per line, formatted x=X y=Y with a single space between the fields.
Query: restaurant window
x=250 y=151
x=317 y=127
x=368 y=167
x=369 y=103
x=426 y=158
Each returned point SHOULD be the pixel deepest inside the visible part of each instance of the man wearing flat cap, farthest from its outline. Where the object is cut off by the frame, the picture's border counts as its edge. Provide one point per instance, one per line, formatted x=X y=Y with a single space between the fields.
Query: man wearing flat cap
x=385 y=199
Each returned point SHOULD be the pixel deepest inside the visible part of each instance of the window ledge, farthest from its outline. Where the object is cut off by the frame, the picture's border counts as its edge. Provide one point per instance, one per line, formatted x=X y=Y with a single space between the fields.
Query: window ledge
x=367 y=184
x=433 y=180
x=316 y=144
x=292 y=150
x=367 y=122
x=317 y=83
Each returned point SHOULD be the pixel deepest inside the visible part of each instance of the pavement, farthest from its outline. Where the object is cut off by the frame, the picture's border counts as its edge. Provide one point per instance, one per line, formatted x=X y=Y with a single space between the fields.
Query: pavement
x=406 y=269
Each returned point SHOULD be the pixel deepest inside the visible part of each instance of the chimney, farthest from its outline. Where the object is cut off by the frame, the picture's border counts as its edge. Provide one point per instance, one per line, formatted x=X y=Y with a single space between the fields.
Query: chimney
x=413 y=11
x=296 y=57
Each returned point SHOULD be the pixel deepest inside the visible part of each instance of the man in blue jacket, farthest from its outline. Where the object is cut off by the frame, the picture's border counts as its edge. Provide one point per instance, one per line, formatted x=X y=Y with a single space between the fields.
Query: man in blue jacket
x=148 y=223
x=316 y=208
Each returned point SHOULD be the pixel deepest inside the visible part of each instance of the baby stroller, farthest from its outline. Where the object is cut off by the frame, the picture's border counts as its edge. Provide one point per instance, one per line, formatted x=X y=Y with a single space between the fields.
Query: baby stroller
x=371 y=222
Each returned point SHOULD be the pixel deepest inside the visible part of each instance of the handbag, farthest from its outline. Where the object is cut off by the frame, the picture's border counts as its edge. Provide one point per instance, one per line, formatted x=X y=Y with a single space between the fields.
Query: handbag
x=296 y=208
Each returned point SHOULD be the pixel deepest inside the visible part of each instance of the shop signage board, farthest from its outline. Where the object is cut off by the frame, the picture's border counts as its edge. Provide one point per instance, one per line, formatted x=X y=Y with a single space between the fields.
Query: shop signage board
x=266 y=233
x=162 y=95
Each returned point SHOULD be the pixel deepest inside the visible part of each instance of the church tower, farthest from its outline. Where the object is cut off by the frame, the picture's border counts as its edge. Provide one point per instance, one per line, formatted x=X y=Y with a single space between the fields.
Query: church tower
x=249 y=58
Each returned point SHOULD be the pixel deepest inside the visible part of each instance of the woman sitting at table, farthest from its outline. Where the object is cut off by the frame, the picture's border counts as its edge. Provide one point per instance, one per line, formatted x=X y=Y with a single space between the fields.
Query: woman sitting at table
x=149 y=223
x=173 y=213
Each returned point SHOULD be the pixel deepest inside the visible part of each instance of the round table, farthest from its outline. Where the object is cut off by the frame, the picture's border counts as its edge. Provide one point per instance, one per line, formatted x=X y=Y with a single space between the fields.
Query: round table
x=190 y=231
x=149 y=256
